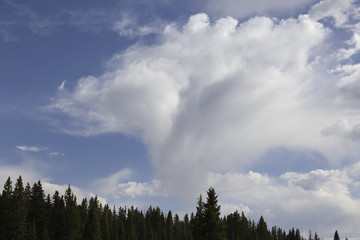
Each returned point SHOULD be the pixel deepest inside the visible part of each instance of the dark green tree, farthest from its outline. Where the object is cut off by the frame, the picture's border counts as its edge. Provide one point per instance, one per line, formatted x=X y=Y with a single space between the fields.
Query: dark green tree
x=178 y=231
x=169 y=226
x=104 y=223
x=262 y=230
x=187 y=228
x=214 y=227
x=233 y=223
x=149 y=227
x=7 y=217
x=72 y=222
x=19 y=209
x=114 y=229
x=336 y=235
x=92 y=227
x=121 y=223
x=38 y=211
x=244 y=227
x=198 y=222
x=57 y=217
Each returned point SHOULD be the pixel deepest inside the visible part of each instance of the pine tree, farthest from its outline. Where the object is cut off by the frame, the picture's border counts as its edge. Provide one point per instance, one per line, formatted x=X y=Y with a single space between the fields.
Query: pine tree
x=7 y=219
x=244 y=227
x=1 y=215
x=104 y=223
x=316 y=237
x=141 y=226
x=187 y=229
x=31 y=233
x=169 y=226
x=37 y=211
x=114 y=234
x=19 y=210
x=199 y=221
x=214 y=227
x=57 y=217
x=233 y=223
x=121 y=223
x=72 y=217
x=83 y=210
x=262 y=230
x=149 y=228
x=336 y=235
x=178 y=233
x=92 y=227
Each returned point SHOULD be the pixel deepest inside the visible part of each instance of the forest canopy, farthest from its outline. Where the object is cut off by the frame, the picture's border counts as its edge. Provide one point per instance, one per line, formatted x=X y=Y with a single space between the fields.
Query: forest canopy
x=27 y=213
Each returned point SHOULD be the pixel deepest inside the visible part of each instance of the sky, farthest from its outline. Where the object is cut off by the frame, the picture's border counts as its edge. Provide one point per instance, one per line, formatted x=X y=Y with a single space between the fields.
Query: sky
x=152 y=102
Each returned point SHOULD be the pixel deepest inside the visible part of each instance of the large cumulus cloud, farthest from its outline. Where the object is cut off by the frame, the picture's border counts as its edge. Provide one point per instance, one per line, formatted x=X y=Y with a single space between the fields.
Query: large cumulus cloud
x=210 y=98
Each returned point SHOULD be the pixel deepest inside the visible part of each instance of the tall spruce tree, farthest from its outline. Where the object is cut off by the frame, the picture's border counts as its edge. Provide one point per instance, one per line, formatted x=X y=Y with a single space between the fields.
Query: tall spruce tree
x=214 y=227
x=169 y=226
x=72 y=217
x=19 y=210
x=57 y=217
x=262 y=230
x=198 y=228
x=7 y=217
x=336 y=235
x=38 y=211
x=92 y=227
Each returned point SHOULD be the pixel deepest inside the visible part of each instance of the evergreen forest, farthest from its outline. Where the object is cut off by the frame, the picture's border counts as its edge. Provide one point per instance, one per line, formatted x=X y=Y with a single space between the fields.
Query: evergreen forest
x=27 y=213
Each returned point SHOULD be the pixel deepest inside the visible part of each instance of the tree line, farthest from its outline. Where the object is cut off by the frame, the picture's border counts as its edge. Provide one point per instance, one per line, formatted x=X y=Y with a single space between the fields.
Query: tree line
x=26 y=213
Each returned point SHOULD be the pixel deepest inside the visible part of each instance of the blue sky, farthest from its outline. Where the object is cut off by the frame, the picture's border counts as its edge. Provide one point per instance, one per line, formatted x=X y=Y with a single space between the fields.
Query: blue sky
x=151 y=102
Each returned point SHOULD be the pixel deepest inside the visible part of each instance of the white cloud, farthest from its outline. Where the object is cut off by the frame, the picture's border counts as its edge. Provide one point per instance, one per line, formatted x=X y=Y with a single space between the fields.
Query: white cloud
x=343 y=129
x=28 y=170
x=213 y=88
x=62 y=85
x=338 y=9
x=134 y=189
x=116 y=187
x=129 y=26
x=80 y=193
x=30 y=148
x=243 y=8
x=39 y=149
x=227 y=209
x=54 y=154
x=212 y=97
x=318 y=200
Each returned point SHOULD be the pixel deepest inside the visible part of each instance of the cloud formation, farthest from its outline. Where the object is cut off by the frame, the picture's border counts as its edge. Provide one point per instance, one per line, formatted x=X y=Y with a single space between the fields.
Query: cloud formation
x=118 y=185
x=243 y=8
x=30 y=148
x=342 y=129
x=210 y=98
x=319 y=199
x=205 y=89
x=40 y=149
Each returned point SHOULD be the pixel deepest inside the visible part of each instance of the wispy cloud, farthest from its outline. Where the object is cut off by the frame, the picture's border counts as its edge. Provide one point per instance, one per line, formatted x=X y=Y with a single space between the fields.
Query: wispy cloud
x=39 y=149
x=54 y=154
x=129 y=26
x=243 y=8
x=95 y=20
x=62 y=86
x=31 y=148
